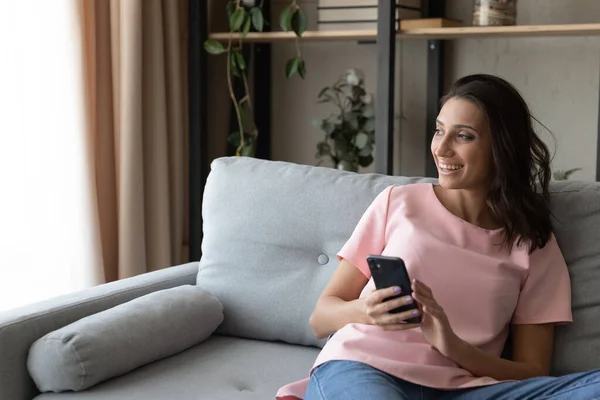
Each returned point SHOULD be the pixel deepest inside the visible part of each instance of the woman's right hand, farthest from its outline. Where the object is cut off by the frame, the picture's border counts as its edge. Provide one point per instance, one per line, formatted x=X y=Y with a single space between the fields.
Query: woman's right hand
x=377 y=311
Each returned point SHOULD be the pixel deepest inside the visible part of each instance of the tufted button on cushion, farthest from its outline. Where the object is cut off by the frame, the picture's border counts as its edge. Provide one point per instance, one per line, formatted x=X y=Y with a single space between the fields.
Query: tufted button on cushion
x=323 y=259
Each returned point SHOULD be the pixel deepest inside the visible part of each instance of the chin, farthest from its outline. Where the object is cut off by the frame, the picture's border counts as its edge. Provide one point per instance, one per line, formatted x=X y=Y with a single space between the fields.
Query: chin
x=449 y=183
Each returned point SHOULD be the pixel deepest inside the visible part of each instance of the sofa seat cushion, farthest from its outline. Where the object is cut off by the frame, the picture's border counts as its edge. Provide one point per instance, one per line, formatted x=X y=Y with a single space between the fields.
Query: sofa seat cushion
x=221 y=368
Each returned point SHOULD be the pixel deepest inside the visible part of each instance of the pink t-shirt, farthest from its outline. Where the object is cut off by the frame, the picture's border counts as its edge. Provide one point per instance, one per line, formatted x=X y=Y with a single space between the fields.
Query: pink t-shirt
x=482 y=288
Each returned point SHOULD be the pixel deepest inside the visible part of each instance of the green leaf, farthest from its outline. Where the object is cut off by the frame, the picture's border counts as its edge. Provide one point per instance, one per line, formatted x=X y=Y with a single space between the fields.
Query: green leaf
x=336 y=119
x=298 y=22
x=323 y=149
x=213 y=46
x=323 y=91
x=361 y=140
x=247 y=25
x=234 y=68
x=328 y=127
x=366 y=151
x=302 y=69
x=237 y=19
x=230 y=9
x=258 y=19
x=316 y=123
x=291 y=68
x=369 y=125
x=234 y=138
x=239 y=60
x=365 y=161
x=285 y=19
x=353 y=121
x=248 y=149
x=368 y=112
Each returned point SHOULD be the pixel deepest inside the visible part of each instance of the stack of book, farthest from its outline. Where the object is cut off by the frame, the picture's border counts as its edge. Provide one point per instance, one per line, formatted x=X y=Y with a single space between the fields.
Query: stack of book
x=360 y=14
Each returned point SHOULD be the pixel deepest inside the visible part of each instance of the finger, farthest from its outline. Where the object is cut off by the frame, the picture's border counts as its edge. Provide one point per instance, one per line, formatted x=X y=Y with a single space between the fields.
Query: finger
x=423 y=286
x=379 y=295
x=423 y=293
x=424 y=300
x=399 y=327
x=389 y=305
x=436 y=312
x=390 y=319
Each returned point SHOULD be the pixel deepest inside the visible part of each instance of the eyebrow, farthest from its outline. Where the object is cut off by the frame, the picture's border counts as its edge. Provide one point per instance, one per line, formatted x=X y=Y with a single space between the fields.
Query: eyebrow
x=457 y=126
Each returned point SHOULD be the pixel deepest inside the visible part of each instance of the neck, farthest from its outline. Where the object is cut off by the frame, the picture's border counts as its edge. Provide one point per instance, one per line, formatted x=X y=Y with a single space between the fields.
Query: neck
x=469 y=205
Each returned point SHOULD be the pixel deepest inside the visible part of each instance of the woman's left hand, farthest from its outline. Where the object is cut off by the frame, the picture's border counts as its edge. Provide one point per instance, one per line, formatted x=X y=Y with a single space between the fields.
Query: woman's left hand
x=435 y=325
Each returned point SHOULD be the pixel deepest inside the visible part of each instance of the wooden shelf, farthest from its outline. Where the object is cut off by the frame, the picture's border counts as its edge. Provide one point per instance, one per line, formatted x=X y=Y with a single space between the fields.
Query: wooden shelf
x=427 y=33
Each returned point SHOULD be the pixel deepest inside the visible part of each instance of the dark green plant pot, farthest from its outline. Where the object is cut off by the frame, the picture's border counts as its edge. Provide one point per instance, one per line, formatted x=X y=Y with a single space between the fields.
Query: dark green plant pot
x=348 y=166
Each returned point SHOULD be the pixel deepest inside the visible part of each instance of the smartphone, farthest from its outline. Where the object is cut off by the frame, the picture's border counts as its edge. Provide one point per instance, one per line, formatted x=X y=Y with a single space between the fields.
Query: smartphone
x=391 y=271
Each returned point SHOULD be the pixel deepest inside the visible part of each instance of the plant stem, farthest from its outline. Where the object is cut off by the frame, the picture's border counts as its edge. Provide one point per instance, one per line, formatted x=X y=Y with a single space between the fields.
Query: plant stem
x=232 y=95
x=249 y=102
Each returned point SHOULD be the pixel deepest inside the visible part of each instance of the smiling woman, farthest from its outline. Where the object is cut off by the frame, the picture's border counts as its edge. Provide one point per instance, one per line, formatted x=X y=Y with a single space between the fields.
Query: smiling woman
x=485 y=127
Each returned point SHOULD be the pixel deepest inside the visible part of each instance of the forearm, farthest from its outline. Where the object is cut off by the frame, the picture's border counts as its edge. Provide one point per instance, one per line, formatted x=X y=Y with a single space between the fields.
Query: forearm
x=480 y=363
x=332 y=313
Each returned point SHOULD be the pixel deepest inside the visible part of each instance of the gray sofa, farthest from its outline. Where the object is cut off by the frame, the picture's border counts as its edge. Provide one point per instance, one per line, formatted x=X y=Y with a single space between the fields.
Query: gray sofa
x=272 y=230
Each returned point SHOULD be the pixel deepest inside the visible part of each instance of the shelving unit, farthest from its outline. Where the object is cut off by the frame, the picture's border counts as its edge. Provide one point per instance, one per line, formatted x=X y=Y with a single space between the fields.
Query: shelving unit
x=385 y=37
x=425 y=33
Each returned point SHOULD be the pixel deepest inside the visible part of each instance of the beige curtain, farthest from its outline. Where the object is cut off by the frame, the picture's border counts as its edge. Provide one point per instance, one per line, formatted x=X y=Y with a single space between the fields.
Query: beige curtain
x=135 y=71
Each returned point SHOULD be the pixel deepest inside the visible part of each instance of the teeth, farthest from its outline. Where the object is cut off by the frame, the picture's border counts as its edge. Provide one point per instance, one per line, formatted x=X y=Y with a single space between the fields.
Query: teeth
x=450 y=167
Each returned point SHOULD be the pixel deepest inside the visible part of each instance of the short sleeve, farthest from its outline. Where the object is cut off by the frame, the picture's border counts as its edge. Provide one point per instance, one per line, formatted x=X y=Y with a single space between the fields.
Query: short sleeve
x=369 y=234
x=546 y=295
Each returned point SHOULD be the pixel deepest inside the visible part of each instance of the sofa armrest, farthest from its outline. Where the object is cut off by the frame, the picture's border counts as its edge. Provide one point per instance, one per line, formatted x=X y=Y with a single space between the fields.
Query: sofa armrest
x=21 y=327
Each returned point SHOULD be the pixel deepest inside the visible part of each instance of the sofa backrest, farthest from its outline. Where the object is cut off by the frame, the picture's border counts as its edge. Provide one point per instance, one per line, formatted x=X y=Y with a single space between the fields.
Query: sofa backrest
x=576 y=222
x=272 y=231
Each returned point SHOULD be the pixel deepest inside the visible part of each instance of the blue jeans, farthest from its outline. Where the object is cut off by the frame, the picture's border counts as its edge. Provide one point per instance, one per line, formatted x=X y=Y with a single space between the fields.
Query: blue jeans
x=351 y=380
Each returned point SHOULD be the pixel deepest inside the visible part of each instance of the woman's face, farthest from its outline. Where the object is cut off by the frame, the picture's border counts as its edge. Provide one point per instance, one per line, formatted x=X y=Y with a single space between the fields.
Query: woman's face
x=462 y=146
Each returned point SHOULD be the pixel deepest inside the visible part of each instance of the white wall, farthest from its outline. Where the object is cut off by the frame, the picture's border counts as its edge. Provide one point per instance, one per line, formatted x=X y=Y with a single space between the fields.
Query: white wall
x=559 y=78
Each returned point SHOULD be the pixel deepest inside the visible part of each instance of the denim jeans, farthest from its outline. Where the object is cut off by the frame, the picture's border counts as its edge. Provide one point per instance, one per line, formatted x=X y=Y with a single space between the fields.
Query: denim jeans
x=351 y=380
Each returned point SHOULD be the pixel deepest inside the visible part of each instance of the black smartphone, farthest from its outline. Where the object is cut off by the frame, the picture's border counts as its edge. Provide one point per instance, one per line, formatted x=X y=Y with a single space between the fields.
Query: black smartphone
x=391 y=271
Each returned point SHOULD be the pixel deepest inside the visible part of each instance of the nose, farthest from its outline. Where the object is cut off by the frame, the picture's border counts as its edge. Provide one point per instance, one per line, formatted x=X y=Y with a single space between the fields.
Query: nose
x=444 y=147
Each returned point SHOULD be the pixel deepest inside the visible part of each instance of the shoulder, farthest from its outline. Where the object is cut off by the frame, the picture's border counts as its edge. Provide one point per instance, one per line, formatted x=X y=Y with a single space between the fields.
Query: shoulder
x=411 y=193
x=547 y=258
x=550 y=252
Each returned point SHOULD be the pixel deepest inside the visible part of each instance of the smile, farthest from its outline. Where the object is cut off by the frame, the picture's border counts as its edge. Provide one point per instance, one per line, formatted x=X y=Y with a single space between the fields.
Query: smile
x=450 y=167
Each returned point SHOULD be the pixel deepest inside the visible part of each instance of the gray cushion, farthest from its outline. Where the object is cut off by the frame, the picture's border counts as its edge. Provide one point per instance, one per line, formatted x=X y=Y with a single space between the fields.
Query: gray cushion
x=221 y=368
x=122 y=338
x=271 y=234
x=576 y=209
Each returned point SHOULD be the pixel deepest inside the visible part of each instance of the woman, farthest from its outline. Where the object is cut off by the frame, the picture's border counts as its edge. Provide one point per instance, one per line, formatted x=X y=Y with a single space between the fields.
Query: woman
x=483 y=260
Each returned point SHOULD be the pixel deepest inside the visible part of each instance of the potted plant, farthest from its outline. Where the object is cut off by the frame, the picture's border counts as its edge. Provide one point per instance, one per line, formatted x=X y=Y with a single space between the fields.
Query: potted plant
x=349 y=139
x=244 y=16
x=561 y=175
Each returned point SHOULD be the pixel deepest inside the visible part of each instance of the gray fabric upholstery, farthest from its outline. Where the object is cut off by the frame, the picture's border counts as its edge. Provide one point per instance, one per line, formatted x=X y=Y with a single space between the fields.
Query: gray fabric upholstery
x=576 y=209
x=120 y=339
x=222 y=368
x=21 y=327
x=271 y=234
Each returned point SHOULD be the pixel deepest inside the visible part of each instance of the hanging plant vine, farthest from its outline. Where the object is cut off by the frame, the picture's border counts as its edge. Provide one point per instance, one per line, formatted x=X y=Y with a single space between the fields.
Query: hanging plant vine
x=242 y=17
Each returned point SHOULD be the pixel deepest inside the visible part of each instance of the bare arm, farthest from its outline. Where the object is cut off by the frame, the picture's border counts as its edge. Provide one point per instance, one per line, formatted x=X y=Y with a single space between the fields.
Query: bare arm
x=532 y=354
x=532 y=344
x=339 y=304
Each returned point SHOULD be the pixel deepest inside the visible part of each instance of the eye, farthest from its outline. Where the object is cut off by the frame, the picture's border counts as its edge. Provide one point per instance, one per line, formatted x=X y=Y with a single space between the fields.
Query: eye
x=438 y=132
x=464 y=136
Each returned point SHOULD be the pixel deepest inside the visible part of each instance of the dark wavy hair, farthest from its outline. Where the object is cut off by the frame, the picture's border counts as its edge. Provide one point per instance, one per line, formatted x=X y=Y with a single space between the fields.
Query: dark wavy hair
x=518 y=194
